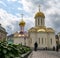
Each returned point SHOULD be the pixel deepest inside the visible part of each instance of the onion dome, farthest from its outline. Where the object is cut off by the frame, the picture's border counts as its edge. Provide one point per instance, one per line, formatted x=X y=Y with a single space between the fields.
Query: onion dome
x=22 y=23
x=39 y=14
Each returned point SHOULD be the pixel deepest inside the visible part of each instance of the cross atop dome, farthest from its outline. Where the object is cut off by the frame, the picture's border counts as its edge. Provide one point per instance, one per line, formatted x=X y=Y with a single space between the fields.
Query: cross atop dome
x=22 y=16
x=39 y=8
x=39 y=13
x=22 y=23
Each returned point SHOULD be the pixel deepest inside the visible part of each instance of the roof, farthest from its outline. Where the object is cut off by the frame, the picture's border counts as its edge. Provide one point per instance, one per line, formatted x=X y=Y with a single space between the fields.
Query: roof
x=41 y=29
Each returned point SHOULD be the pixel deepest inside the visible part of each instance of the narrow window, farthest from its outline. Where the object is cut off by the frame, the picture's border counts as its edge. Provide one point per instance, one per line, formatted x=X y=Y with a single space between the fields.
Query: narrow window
x=51 y=41
x=39 y=40
x=31 y=40
x=45 y=40
x=42 y=40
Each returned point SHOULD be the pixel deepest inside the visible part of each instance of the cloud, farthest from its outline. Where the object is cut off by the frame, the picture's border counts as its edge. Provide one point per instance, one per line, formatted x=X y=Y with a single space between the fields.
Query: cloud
x=11 y=22
x=7 y=19
x=27 y=6
x=20 y=8
x=55 y=20
x=1 y=2
x=12 y=0
x=51 y=9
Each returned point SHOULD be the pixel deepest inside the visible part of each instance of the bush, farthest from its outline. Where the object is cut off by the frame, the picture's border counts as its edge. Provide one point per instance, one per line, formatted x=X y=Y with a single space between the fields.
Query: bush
x=12 y=50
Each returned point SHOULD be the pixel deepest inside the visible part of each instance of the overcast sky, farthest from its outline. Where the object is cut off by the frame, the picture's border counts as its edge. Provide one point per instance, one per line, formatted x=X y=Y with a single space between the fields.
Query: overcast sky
x=11 y=10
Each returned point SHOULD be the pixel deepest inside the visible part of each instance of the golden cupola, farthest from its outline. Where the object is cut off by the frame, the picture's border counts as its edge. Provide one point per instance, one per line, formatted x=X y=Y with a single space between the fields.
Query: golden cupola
x=22 y=23
x=39 y=14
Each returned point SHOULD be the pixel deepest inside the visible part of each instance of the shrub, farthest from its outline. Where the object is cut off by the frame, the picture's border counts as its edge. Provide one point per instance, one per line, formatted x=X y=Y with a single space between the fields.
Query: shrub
x=12 y=50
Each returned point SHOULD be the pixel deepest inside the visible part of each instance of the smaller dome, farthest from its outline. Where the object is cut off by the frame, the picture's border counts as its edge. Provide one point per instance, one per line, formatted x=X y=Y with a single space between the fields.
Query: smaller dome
x=39 y=14
x=22 y=23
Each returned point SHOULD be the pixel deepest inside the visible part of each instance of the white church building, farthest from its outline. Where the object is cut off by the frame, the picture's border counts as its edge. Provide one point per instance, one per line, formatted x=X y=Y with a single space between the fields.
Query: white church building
x=45 y=37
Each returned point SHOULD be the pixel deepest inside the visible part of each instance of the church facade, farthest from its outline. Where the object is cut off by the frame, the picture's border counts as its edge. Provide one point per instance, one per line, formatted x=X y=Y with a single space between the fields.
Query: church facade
x=45 y=37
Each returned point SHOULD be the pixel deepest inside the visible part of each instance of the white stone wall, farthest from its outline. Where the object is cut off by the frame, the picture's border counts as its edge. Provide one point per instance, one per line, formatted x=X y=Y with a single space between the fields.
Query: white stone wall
x=42 y=40
x=27 y=41
x=47 y=38
x=33 y=39
x=51 y=36
x=19 y=41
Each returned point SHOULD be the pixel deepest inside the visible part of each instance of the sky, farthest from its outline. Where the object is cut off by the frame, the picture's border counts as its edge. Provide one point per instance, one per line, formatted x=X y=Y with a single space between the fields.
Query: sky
x=11 y=10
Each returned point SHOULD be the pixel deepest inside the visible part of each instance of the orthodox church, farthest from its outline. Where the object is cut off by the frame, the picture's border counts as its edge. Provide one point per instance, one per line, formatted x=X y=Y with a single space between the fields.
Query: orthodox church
x=45 y=37
x=20 y=37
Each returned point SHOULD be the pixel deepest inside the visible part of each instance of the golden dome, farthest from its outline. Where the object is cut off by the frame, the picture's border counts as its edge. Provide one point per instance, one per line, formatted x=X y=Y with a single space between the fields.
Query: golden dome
x=39 y=14
x=22 y=23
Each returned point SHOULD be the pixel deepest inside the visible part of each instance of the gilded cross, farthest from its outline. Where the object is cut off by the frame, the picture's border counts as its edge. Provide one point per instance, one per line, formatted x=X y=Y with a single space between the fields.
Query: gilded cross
x=39 y=8
x=22 y=16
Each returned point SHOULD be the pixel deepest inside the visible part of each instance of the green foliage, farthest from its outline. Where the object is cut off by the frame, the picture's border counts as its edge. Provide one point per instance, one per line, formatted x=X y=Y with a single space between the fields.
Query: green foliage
x=12 y=50
x=23 y=49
